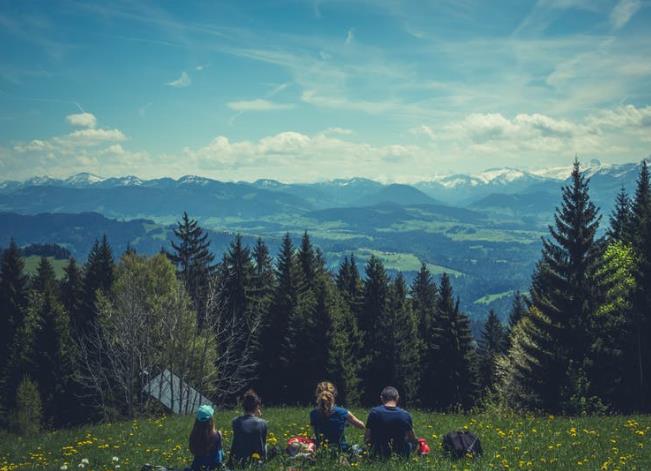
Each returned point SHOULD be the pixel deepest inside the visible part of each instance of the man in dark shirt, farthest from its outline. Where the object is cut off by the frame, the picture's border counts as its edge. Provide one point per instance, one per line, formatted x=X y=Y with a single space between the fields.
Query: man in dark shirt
x=389 y=429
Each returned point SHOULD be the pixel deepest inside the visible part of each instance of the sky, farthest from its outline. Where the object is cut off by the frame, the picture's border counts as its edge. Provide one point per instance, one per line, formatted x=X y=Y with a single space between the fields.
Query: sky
x=320 y=89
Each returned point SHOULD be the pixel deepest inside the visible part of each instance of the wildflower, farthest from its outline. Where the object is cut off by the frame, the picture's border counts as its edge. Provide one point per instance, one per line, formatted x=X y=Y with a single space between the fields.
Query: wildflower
x=116 y=459
x=63 y=467
x=85 y=461
x=255 y=456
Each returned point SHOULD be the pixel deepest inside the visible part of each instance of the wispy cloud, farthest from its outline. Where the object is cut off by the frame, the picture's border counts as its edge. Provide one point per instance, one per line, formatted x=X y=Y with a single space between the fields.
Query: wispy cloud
x=623 y=12
x=258 y=104
x=183 y=81
x=350 y=36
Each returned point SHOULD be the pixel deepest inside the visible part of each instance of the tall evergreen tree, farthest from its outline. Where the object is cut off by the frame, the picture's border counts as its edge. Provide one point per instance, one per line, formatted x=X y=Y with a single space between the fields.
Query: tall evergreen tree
x=277 y=349
x=307 y=260
x=45 y=279
x=72 y=295
x=52 y=357
x=564 y=298
x=518 y=311
x=13 y=304
x=641 y=238
x=98 y=277
x=491 y=344
x=449 y=373
x=374 y=308
x=620 y=219
x=401 y=353
x=350 y=285
x=239 y=313
x=193 y=260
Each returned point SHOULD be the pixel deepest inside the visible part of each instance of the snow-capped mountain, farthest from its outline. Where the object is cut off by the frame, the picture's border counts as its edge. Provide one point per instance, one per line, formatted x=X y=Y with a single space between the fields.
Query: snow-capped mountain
x=83 y=179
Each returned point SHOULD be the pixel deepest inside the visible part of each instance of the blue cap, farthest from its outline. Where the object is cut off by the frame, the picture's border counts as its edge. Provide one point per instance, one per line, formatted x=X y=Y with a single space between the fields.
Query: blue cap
x=205 y=413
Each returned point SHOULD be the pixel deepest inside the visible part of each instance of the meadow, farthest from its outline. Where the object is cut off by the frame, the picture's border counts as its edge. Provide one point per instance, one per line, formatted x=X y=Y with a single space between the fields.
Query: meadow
x=510 y=442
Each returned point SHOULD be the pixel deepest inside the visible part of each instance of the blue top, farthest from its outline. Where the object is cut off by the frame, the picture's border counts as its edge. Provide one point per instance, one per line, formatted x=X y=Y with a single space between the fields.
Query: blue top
x=212 y=461
x=330 y=428
x=249 y=436
x=389 y=427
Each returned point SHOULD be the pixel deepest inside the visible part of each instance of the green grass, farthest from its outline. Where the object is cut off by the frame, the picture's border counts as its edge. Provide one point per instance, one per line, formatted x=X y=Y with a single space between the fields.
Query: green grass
x=489 y=298
x=31 y=265
x=509 y=442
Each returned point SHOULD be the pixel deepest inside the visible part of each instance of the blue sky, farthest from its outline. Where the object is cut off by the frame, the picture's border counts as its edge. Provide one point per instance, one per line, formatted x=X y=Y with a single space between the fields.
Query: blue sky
x=312 y=90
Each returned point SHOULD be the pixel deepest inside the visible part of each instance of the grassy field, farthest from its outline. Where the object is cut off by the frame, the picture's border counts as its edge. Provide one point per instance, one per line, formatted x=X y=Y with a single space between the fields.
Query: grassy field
x=509 y=442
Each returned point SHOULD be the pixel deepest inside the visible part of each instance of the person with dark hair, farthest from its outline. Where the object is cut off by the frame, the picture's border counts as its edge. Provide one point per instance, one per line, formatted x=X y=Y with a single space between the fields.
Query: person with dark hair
x=206 y=441
x=389 y=429
x=329 y=420
x=249 y=433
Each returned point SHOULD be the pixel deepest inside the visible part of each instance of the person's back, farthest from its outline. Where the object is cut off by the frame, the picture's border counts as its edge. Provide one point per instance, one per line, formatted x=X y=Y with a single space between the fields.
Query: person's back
x=390 y=428
x=205 y=441
x=249 y=433
x=329 y=426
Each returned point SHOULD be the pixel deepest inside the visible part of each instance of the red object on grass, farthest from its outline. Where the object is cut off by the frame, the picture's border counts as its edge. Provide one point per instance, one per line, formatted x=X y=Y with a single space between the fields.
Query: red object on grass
x=423 y=447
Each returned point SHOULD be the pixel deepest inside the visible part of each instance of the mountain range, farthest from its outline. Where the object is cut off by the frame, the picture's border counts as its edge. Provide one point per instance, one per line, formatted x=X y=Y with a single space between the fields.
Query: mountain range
x=484 y=229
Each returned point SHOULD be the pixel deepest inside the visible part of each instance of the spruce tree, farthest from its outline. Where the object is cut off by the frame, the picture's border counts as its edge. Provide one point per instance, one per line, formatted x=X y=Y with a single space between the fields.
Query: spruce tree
x=239 y=313
x=518 y=311
x=491 y=344
x=45 y=280
x=402 y=344
x=307 y=260
x=13 y=304
x=193 y=260
x=449 y=366
x=374 y=308
x=52 y=357
x=620 y=219
x=564 y=298
x=350 y=285
x=277 y=349
x=98 y=277
x=641 y=238
x=72 y=295
x=423 y=299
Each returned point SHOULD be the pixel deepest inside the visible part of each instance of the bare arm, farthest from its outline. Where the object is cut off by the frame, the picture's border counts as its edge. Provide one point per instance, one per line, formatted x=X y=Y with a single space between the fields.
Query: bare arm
x=354 y=421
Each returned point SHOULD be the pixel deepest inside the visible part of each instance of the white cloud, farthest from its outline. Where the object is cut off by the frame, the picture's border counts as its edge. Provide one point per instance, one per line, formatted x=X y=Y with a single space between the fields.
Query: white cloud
x=258 y=104
x=183 y=81
x=623 y=12
x=84 y=120
x=96 y=135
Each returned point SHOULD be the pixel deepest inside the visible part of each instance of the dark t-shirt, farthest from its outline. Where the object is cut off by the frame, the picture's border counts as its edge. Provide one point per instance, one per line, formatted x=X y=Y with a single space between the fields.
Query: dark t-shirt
x=330 y=427
x=389 y=427
x=249 y=436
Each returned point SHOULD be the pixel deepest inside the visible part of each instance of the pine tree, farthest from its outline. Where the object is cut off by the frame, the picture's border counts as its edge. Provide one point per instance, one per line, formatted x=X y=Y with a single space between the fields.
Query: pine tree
x=614 y=355
x=72 y=295
x=402 y=344
x=518 y=311
x=423 y=298
x=239 y=314
x=45 y=280
x=52 y=357
x=449 y=365
x=374 y=308
x=98 y=277
x=349 y=283
x=564 y=297
x=620 y=219
x=13 y=304
x=491 y=344
x=277 y=349
x=641 y=238
x=307 y=260
x=193 y=260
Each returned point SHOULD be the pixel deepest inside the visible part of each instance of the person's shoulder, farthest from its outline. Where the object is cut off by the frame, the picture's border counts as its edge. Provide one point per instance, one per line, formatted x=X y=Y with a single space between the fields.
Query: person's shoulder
x=314 y=413
x=404 y=413
x=341 y=410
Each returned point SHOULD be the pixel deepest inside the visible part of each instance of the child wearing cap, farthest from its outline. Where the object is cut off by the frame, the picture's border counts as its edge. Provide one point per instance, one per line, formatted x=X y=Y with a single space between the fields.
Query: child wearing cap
x=206 y=441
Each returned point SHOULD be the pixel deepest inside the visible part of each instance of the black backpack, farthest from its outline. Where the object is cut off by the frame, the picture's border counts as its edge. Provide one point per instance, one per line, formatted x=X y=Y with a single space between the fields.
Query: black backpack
x=461 y=443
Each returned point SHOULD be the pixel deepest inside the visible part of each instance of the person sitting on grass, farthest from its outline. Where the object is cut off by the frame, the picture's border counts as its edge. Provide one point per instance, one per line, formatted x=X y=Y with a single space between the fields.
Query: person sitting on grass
x=249 y=433
x=389 y=429
x=206 y=441
x=329 y=420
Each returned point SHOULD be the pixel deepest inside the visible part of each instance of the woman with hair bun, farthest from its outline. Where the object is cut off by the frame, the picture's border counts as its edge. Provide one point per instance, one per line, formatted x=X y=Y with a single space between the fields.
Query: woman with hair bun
x=329 y=420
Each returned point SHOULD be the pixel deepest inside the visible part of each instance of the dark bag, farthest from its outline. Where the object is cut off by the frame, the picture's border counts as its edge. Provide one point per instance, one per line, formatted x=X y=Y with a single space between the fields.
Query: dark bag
x=462 y=443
